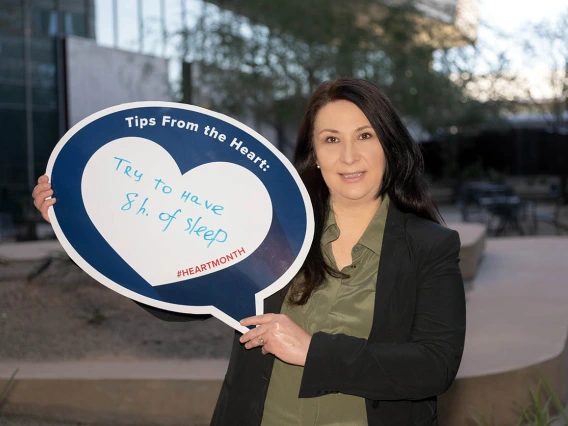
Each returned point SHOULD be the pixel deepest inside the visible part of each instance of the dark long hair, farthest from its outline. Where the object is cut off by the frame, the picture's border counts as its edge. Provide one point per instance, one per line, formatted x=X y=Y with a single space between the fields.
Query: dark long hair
x=403 y=178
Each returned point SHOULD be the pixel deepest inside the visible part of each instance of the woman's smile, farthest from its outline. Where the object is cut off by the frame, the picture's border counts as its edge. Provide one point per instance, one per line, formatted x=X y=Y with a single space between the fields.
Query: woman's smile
x=352 y=177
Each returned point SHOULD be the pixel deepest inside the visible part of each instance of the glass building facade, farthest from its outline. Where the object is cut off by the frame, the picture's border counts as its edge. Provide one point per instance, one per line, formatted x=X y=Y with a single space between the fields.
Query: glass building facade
x=32 y=77
x=31 y=96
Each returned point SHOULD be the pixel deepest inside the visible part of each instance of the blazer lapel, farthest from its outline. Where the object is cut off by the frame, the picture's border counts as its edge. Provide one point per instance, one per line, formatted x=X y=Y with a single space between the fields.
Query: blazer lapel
x=393 y=253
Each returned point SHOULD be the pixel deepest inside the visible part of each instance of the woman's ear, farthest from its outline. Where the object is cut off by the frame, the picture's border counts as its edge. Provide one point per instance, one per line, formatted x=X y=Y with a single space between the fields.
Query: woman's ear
x=314 y=160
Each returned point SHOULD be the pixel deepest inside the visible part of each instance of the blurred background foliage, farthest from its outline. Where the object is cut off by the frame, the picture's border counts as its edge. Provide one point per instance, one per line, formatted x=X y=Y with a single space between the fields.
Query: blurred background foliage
x=268 y=57
x=484 y=102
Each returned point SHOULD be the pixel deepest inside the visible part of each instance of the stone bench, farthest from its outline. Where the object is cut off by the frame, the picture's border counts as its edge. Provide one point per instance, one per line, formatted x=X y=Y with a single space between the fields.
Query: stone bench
x=473 y=238
x=517 y=325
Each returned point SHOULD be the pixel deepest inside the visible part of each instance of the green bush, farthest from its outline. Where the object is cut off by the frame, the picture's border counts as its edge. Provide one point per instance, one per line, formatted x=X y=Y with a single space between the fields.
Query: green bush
x=7 y=387
x=537 y=413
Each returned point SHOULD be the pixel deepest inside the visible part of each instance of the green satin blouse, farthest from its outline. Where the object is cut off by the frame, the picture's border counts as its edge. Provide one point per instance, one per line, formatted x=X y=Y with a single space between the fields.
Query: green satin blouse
x=340 y=306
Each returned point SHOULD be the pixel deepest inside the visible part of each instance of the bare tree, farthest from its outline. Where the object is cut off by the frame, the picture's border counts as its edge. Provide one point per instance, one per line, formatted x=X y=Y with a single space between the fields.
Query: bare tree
x=547 y=43
x=267 y=57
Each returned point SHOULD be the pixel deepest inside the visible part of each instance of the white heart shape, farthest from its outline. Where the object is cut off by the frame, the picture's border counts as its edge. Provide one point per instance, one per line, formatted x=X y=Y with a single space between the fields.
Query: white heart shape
x=224 y=219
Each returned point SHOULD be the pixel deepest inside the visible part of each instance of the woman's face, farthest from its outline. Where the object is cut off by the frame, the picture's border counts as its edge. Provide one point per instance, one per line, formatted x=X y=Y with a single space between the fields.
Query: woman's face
x=349 y=153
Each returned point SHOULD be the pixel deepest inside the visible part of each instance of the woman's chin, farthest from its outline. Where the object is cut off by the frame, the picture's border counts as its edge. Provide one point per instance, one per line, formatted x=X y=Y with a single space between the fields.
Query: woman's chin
x=355 y=197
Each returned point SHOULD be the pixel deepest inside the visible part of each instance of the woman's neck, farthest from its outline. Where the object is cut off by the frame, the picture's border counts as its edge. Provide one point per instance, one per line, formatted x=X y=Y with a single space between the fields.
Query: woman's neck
x=354 y=216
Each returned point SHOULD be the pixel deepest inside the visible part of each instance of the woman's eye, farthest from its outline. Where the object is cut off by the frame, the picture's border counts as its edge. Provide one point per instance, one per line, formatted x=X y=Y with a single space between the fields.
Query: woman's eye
x=331 y=139
x=366 y=135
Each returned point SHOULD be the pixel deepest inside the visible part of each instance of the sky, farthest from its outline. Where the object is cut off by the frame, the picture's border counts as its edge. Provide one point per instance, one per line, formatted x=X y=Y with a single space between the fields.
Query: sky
x=509 y=15
x=512 y=17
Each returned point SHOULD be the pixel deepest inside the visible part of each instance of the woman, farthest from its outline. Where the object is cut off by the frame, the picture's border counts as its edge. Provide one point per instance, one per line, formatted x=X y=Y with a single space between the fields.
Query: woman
x=372 y=328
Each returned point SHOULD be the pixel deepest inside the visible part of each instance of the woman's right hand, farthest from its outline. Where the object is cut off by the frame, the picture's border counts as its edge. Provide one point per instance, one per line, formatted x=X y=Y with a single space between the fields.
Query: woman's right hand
x=40 y=194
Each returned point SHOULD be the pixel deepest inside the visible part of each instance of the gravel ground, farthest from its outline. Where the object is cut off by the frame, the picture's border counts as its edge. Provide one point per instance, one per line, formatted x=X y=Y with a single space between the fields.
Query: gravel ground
x=63 y=314
x=26 y=421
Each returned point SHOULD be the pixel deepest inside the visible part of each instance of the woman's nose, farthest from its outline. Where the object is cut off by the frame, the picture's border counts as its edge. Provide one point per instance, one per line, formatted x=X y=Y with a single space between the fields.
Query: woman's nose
x=349 y=153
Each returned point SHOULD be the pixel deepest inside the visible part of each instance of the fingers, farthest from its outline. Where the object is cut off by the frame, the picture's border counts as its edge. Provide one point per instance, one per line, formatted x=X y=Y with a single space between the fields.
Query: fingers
x=255 y=332
x=278 y=335
x=255 y=343
x=251 y=338
x=45 y=208
x=42 y=200
x=40 y=194
x=40 y=197
x=267 y=325
x=40 y=188
x=257 y=320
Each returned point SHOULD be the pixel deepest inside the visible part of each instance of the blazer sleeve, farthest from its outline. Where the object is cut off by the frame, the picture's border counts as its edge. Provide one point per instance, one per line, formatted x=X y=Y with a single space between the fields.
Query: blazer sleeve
x=424 y=366
x=171 y=316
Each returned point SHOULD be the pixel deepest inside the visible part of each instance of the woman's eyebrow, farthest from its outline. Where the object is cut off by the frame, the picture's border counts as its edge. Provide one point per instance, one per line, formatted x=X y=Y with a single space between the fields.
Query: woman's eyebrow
x=366 y=126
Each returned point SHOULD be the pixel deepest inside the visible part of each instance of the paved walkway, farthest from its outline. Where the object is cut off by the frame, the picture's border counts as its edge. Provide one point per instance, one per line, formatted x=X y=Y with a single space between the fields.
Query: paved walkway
x=28 y=251
x=517 y=310
x=195 y=369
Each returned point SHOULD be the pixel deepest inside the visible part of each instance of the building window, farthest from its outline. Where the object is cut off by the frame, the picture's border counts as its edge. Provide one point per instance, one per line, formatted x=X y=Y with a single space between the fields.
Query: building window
x=74 y=24
x=44 y=22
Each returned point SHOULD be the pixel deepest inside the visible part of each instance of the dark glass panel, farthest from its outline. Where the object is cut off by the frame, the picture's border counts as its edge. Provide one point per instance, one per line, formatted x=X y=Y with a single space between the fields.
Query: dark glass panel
x=13 y=159
x=12 y=93
x=45 y=125
x=44 y=22
x=12 y=70
x=73 y=17
x=43 y=71
x=11 y=17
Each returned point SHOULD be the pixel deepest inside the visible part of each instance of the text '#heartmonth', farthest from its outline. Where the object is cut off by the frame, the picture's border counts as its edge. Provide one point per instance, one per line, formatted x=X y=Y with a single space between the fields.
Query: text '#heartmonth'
x=211 y=264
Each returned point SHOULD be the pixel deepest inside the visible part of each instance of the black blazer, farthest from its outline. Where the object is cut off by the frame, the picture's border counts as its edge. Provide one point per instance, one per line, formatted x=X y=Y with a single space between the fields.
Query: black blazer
x=413 y=351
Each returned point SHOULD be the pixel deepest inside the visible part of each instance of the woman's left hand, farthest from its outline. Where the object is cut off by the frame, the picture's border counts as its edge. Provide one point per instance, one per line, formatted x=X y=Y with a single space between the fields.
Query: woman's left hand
x=278 y=335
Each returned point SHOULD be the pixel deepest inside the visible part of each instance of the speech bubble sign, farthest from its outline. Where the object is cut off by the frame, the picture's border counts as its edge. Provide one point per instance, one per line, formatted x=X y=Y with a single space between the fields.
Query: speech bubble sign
x=180 y=208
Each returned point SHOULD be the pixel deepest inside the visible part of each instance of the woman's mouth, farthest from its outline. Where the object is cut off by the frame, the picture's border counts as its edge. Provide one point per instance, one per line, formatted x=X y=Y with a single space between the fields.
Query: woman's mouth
x=352 y=177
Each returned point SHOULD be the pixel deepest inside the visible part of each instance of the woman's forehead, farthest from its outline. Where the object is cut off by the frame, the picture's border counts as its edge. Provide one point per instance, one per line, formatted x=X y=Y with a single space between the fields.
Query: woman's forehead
x=340 y=116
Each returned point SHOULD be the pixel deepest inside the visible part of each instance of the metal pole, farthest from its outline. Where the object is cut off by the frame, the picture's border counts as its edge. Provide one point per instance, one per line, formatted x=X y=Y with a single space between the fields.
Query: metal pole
x=140 y=27
x=60 y=75
x=115 y=22
x=87 y=19
x=163 y=24
x=28 y=93
x=183 y=30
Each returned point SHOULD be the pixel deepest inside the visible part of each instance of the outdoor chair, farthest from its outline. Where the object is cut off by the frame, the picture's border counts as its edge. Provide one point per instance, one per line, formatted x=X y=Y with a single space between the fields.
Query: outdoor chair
x=552 y=218
x=507 y=211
